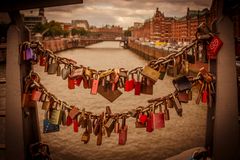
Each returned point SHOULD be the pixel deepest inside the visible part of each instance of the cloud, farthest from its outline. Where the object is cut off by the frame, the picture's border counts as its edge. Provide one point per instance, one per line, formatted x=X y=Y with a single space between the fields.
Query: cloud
x=122 y=12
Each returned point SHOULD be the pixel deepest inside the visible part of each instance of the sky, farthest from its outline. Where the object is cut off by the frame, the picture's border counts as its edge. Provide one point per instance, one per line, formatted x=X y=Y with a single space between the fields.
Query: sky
x=120 y=12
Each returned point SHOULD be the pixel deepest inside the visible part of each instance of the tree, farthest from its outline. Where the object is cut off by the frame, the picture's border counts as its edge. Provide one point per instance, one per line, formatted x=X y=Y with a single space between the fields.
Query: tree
x=80 y=32
x=54 y=29
x=39 y=28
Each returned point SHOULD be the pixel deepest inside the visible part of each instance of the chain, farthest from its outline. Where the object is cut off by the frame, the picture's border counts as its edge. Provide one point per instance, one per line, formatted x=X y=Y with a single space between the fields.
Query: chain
x=35 y=79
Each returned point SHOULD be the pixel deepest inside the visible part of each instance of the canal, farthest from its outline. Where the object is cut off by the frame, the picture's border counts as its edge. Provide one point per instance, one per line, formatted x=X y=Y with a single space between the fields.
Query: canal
x=179 y=134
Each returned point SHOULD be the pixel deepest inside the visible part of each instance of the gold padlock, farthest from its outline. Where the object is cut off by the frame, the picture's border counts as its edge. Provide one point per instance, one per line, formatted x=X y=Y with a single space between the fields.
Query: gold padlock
x=151 y=73
x=88 y=72
x=56 y=115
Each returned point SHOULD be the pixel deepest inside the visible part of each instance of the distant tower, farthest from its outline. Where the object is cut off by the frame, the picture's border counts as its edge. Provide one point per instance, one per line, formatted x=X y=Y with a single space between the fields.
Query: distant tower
x=41 y=12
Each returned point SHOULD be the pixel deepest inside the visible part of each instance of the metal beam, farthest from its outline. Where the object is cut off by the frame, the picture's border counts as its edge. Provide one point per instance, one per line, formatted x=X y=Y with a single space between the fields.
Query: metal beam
x=13 y=5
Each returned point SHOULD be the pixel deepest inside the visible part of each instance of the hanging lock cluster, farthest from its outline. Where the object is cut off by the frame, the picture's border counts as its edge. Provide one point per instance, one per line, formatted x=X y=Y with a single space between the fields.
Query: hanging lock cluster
x=58 y=112
x=107 y=82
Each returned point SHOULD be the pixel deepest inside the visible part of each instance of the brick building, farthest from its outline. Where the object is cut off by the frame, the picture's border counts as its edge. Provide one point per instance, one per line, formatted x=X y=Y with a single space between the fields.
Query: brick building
x=107 y=32
x=169 y=29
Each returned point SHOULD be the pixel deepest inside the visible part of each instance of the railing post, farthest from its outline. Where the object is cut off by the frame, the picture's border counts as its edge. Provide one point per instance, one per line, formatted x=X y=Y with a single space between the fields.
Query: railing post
x=226 y=127
x=21 y=129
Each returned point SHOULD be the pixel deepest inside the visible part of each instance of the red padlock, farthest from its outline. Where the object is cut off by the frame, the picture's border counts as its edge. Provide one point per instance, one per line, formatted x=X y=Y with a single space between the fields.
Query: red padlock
x=78 y=81
x=129 y=84
x=69 y=121
x=158 y=120
x=42 y=61
x=149 y=127
x=123 y=133
x=142 y=118
x=205 y=96
x=214 y=46
x=137 y=85
x=75 y=125
x=137 y=88
x=36 y=94
x=71 y=83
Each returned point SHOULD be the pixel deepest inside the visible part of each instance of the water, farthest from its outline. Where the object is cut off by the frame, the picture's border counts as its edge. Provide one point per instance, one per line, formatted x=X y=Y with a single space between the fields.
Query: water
x=179 y=134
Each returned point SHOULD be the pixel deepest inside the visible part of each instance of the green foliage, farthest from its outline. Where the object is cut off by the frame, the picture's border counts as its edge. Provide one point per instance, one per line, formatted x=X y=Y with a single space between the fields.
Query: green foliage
x=54 y=29
x=80 y=31
x=39 y=28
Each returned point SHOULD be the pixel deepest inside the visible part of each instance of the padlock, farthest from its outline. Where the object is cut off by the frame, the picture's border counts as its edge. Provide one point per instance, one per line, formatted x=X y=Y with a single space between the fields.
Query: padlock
x=69 y=121
x=172 y=68
x=59 y=70
x=56 y=114
x=177 y=105
x=129 y=84
x=43 y=60
x=166 y=111
x=85 y=137
x=182 y=83
x=214 y=47
x=107 y=92
x=64 y=117
x=78 y=72
x=66 y=71
x=85 y=82
x=149 y=127
x=139 y=124
x=78 y=81
x=183 y=96
x=49 y=127
x=29 y=55
x=89 y=124
x=52 y=66
x=142 y=118
x=88 y=72
x=99 y=137
x=46 y=105
x=200 y=92
x=123 y=73
x=114 y=79
x=36 y=94
x=94 y=89
x=75 y=125
x=137 y=84
x=110 y=126
x=158 y=119
x=116 y=126
x=205 y=94
x=73 y=112
x=123 y=132
x=151 y=73
x=99 y=129
x=97 y=126
x=71 y=83
x=147 y=86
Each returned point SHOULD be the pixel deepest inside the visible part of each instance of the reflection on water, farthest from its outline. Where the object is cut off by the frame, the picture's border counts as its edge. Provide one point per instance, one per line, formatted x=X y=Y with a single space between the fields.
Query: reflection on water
x=179 y=134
